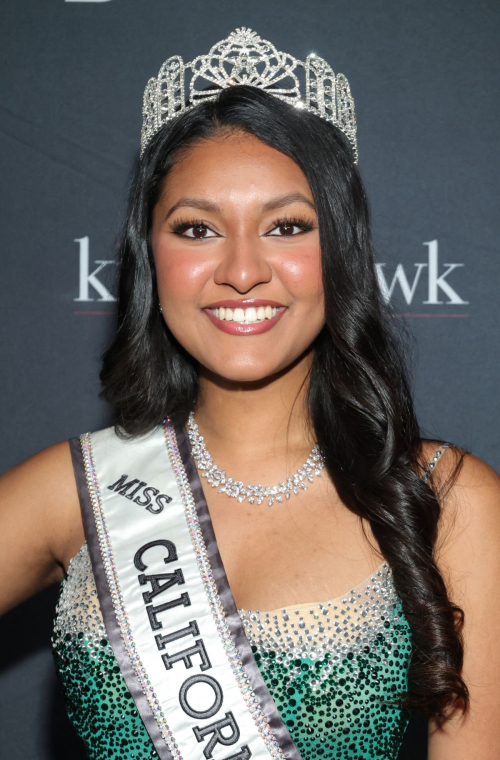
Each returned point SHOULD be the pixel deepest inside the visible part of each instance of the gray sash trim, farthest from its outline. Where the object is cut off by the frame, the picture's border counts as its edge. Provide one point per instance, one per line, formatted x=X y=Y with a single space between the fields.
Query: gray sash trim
x=268 y=706
x=108 y=613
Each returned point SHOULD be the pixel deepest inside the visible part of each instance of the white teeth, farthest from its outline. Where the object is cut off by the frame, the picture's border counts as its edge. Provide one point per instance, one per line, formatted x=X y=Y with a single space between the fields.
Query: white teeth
x=248 y=316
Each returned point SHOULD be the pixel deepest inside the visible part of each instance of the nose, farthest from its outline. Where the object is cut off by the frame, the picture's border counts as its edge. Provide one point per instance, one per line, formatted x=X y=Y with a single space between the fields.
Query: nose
x=244 y=264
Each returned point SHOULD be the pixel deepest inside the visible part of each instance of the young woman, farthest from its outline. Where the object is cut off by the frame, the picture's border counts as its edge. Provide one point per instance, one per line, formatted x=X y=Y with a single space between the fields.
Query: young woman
x=282 y=610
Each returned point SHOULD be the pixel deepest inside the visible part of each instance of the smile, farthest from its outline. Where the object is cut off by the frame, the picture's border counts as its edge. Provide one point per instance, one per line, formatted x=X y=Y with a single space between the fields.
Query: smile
x=249 y=316
x=246 y=319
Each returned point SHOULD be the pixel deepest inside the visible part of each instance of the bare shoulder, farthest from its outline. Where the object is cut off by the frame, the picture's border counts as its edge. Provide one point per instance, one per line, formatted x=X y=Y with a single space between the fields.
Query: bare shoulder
x=55 y=458
x=469 y=530
x=467 y=487
x=47 y=473
x=40 y=520
x=467 y=555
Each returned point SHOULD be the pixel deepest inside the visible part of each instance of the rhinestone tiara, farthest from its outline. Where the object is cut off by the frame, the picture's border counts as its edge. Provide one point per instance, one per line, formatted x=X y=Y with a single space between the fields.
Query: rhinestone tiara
x=245 y=58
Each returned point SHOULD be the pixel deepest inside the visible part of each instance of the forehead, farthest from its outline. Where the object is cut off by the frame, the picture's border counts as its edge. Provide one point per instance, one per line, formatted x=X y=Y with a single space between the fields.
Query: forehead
x=234 y=164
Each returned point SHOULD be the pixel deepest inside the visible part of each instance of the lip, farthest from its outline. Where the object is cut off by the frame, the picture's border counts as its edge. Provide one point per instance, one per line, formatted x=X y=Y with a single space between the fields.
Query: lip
x=236 y=328
x=235 y=303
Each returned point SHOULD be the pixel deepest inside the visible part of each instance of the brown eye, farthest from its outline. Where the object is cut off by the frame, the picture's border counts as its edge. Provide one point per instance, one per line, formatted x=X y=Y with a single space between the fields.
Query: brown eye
x=290 y=227
x=193 y=230
x=200 y=231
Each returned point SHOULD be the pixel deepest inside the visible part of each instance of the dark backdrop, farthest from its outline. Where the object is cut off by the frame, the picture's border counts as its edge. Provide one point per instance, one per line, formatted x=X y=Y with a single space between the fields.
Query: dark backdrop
x=425 y=78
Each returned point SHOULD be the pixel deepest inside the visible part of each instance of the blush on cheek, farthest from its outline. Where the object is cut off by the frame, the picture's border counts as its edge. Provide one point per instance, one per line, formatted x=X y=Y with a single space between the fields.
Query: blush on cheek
x=303 y=273
x=180 y=278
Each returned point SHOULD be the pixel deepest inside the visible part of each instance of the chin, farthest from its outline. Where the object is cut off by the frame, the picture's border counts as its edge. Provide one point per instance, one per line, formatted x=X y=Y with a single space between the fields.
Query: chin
x=247 y=371
x=244 y=374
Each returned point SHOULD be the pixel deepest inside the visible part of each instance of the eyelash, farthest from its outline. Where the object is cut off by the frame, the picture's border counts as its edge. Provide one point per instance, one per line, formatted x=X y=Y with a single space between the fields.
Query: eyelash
x=303 y=225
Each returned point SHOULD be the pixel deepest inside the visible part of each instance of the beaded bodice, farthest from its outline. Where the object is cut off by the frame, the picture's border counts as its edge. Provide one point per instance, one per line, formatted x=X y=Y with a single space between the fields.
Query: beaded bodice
x=332 y=668
x=335 y=669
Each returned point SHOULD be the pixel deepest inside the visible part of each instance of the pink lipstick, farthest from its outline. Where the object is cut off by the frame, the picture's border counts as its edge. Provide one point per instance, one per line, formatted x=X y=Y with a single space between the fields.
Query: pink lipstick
x=249 y=316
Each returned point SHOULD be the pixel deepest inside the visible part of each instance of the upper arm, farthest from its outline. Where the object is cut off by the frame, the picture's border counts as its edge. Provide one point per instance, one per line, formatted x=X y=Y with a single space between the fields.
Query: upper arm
x=40 y=523
x=468 y=555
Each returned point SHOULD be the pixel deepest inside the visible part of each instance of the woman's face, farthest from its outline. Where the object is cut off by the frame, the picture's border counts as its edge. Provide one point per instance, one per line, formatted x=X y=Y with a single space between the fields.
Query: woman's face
x=236 y=247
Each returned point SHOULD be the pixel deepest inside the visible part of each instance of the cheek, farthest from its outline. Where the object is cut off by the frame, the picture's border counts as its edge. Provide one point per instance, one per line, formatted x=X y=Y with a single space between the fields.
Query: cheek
x=180 y=277
x=302 y=273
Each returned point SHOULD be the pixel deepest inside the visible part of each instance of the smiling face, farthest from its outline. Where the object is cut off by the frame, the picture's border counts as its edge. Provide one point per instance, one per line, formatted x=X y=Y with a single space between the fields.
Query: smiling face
x=237 y=255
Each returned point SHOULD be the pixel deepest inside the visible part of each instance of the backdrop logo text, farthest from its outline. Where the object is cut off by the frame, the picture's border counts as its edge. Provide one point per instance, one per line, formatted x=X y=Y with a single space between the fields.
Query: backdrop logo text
x=437 y=284
x=90 y=279
x=438 y=289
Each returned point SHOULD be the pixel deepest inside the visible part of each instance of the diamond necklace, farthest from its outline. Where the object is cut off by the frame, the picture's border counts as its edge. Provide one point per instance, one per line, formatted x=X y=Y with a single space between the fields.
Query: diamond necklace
x=236 y=489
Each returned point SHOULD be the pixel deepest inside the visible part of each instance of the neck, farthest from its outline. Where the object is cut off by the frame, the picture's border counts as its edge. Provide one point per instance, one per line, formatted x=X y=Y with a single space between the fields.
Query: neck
x=270 y=413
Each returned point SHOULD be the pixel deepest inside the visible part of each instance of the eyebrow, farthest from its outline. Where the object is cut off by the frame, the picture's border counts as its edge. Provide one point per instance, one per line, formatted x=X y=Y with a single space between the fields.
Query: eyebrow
x=271 y=205
x=286 y=200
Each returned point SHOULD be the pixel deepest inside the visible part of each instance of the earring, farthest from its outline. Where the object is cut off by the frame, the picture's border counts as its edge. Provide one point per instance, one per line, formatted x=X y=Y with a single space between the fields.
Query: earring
x=160 y=307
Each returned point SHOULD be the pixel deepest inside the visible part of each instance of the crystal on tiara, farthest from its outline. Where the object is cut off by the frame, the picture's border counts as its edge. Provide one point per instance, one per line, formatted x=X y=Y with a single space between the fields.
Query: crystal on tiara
x=245 y=58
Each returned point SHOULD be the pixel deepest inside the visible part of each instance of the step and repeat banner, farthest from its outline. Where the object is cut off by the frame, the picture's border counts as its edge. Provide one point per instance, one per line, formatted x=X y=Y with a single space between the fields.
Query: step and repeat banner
x=424 y=76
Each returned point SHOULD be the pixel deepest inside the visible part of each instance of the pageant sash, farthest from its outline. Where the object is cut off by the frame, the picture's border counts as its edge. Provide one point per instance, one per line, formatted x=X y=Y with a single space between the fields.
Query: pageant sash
x=168 y=610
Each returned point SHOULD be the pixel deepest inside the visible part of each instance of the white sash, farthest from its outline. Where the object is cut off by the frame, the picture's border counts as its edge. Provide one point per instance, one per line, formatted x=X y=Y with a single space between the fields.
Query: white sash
x=168 y=609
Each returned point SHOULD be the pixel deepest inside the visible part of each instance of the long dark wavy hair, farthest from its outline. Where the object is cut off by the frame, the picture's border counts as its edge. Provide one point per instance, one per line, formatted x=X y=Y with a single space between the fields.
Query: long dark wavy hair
x=359 y=397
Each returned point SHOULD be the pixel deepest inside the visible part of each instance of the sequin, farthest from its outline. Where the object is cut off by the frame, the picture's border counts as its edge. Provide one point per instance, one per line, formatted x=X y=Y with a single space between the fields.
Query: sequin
x=98 y=701
x=334 y=670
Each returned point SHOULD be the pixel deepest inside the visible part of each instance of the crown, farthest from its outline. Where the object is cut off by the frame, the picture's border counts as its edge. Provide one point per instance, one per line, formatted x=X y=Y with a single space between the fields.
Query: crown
x=245 y=58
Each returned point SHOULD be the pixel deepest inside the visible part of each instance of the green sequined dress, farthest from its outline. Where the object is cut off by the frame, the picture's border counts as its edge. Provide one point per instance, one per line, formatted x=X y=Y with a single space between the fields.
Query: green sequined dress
x=334 y=670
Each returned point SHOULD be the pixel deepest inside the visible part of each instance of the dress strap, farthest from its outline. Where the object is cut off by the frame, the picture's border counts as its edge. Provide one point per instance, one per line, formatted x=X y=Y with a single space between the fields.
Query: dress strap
x=431 y=465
